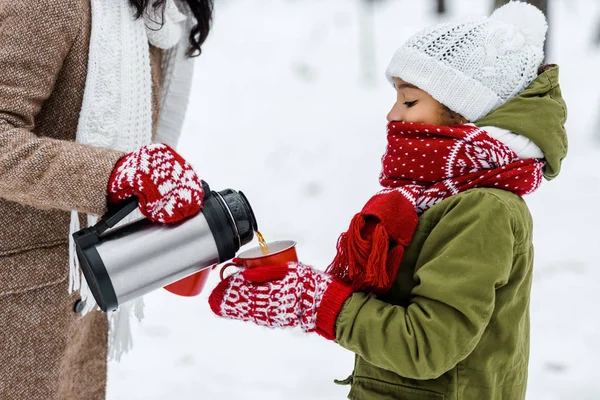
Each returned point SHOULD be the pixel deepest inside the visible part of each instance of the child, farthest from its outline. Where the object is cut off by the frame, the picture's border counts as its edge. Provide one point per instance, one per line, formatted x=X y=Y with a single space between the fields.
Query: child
x=431 y=284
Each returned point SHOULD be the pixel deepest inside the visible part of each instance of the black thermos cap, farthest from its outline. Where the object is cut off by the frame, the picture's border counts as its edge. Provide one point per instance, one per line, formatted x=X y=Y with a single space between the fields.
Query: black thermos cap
x=242 y=214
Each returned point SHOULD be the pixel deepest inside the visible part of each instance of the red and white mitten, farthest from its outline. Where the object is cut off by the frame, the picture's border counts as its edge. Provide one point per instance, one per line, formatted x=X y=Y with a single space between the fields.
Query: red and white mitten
x=285 y=296
x=167 y=187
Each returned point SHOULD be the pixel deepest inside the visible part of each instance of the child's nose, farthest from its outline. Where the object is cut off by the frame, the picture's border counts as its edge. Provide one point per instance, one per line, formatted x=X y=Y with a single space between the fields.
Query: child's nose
x=395 y=114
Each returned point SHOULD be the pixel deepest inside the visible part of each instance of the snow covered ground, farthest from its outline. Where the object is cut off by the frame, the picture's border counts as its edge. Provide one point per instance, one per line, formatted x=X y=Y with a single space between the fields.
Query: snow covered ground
x=282 y=110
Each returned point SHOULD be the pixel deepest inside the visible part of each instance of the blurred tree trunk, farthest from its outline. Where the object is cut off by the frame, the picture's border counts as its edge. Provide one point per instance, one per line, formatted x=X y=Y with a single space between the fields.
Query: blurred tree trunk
x=499 y=3
x=441 y=6
x=542 y=5
x=366 y=40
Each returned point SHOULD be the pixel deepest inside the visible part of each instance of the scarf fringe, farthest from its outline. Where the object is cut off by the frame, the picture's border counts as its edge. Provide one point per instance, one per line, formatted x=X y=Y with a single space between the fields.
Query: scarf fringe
x=366 y=263
x=120 y=337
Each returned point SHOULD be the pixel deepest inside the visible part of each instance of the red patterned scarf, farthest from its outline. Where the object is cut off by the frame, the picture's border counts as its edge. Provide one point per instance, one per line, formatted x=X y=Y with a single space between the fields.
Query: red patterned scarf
x=423 y=165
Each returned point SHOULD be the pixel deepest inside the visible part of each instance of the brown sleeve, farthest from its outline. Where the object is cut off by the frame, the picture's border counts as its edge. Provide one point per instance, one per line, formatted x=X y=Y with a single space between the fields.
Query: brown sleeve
x=35 y=38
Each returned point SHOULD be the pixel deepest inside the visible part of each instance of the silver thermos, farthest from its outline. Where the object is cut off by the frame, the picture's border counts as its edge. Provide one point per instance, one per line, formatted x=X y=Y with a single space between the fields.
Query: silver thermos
x=127 y=262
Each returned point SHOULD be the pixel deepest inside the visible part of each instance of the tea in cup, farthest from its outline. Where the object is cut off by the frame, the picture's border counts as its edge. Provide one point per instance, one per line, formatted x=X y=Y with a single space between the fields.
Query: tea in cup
x=269 y=254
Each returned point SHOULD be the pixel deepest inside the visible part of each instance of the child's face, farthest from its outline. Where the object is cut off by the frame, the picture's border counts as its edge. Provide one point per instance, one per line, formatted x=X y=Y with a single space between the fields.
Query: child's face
x=415 y=105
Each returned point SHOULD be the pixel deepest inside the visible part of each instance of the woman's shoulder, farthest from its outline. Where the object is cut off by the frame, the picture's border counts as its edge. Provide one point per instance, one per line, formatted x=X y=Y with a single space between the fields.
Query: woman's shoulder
x=68 y=14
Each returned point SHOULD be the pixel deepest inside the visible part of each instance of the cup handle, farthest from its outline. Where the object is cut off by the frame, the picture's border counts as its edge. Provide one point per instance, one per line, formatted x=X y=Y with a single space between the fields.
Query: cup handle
x=224 y=267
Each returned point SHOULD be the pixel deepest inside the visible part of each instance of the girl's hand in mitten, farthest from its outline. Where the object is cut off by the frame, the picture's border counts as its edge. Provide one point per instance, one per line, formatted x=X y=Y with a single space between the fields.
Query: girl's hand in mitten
x=284 y=296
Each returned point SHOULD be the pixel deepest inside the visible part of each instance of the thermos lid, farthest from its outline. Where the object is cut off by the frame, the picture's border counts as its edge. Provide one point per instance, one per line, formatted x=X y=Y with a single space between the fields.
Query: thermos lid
x=230 y=219
x=242 y=214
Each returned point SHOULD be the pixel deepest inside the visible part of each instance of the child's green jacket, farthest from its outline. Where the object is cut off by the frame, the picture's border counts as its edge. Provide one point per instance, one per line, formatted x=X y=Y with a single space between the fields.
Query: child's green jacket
x=455 y=325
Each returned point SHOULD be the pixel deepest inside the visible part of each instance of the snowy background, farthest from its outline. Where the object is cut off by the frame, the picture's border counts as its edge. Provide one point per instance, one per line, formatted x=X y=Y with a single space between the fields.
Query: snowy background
x=284 y=109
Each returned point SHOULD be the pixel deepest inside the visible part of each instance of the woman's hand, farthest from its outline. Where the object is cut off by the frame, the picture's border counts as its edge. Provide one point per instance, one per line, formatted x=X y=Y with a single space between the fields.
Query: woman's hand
x=167 y=187
x=284 y=296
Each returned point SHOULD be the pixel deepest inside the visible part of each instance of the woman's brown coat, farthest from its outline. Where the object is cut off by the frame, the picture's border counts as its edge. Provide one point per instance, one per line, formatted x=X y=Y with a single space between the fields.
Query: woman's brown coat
x=47 y=350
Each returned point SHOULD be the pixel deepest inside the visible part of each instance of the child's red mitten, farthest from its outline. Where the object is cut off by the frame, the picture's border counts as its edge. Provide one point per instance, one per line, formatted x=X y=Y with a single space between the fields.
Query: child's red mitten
x=284 y=296
x=167 y=187
x=370 y=252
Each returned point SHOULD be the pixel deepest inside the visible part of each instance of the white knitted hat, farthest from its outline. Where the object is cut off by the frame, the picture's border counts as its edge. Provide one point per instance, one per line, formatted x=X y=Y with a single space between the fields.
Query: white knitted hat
x=475 y=65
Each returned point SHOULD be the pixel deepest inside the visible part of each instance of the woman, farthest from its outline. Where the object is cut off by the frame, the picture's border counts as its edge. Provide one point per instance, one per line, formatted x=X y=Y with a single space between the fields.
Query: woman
x=81 y=88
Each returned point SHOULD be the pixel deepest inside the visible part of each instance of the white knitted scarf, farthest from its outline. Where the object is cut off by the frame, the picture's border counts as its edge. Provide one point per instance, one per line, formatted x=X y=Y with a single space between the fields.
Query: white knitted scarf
x=116 y=111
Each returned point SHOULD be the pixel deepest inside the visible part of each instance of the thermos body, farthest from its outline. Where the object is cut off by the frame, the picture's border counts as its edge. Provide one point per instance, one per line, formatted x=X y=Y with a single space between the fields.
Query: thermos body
x=141 y=256
x=126 y=262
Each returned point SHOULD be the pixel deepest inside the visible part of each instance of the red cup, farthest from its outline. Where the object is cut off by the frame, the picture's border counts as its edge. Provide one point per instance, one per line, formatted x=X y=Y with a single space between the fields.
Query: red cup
x=190 y=285
x=281 y=252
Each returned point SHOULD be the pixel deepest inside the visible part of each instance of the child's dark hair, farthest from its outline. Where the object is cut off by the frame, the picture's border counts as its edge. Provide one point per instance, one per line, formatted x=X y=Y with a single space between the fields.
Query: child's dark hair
x=451 y=116
x=545 y=68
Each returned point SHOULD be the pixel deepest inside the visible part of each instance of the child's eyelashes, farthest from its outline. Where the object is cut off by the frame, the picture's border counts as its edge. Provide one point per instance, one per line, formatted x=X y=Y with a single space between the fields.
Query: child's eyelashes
x=409 y=104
